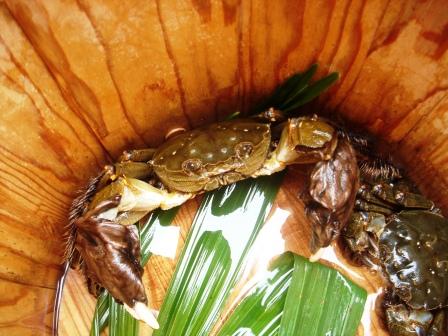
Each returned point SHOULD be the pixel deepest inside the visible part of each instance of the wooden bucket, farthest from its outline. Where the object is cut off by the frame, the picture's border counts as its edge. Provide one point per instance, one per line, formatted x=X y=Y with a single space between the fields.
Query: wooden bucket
x=81 y=80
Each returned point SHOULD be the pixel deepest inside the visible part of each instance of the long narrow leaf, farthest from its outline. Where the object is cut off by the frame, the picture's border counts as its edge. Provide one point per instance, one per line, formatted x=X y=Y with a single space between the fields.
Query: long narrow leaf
x=121 y=323
x=281 y=93
x=298 y=90
x=321 y=302
x=101 y=315
x=260 y=312
x=300 y=86
x=313 y=91
x=297 y=297
x=147 y=228
x=223 y=231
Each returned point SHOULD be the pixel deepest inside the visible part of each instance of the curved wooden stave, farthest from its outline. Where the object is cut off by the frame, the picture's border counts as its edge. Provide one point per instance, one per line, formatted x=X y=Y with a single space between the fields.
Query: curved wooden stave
x=79 y=81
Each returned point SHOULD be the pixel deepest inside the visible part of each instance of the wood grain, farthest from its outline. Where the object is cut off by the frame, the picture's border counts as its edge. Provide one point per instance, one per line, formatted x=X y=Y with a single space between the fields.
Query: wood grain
x=26 y=309
x=81 y=80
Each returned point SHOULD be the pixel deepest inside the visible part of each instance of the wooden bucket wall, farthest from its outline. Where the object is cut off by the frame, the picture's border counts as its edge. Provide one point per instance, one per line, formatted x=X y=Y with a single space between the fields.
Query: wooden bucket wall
x=81 y=80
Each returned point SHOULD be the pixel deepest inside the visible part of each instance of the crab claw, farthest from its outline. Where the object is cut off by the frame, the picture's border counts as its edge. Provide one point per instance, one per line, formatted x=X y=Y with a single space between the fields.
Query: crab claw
x=333 y=187
x=111 y=254
x=141 y=312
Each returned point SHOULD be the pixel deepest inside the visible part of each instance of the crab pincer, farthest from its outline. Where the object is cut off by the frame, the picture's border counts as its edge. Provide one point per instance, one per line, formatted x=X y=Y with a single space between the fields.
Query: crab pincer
x=111 y=254
x=333 y=187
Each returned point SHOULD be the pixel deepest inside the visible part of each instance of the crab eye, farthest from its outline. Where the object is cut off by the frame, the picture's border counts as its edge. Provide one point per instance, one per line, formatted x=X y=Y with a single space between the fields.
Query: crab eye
x=244 y=149
x=192 y=165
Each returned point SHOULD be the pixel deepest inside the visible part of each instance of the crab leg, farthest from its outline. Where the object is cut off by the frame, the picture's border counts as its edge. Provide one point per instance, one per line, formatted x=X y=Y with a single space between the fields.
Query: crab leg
x=132 y=163
x=137 y=155
x=303 y=140
x=137 y=199
x=404 y=198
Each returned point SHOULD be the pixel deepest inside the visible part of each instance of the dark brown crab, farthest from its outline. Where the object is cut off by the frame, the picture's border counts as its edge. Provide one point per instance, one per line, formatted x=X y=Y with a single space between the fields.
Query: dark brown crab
x=197 y=161
x=396 y=229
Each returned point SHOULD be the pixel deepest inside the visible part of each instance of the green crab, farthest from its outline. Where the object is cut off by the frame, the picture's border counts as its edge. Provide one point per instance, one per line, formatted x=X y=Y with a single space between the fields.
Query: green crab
x=194 y=162
x=400 y=232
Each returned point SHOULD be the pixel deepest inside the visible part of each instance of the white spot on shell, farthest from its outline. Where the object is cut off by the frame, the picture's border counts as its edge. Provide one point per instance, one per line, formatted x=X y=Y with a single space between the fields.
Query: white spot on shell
x=224 y=150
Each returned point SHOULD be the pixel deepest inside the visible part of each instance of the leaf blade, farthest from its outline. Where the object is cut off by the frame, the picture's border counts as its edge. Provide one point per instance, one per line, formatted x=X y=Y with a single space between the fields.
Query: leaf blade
x=121 y=323
x=311 y=308
x=185 y=310
x=147 y=228
x=101 y=314
x=313 y=91
x=300 y=86
x=260 y=312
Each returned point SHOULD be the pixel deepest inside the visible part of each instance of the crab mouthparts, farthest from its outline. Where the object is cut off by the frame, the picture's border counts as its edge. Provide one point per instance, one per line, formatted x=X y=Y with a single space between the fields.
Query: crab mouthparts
x=141 y=312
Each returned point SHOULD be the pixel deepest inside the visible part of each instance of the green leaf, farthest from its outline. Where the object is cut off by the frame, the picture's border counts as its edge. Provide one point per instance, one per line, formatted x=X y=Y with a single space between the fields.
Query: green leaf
x=121 y=323
x=299 y=87
x=260 y=312
x=321 y=301
x=223 y=231
x=297 y=297
x=281 y=93
x=287 y=88
x=101 y=315
x=312 y=91
x=158 y=218
x=233 y=115
x=297 y=90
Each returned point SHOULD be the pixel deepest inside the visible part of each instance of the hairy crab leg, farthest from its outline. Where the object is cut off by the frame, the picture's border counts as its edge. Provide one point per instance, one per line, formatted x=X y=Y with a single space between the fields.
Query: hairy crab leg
x=404 y=198
x=133 y=163
x=105 y=230
x=137 y=199
x=302 y=141
x=137 y=170
x=137 y=155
